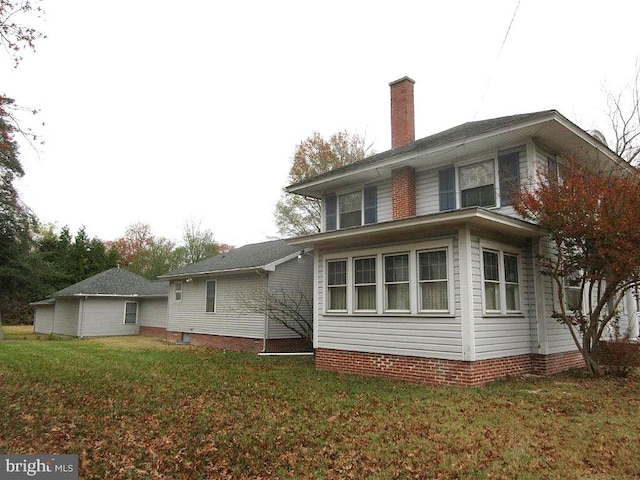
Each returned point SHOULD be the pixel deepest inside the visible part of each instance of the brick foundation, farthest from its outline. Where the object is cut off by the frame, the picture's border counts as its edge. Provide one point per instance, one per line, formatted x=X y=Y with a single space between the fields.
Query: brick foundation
x=239 y=344
x=442 y=372
x=153 y=332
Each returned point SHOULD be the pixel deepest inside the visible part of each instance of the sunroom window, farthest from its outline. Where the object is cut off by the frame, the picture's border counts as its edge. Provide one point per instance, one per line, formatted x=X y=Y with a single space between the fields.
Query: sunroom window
x=365 y=283
x=337 y=284
x=432 y=267
x=501 y=282
x=396 y=280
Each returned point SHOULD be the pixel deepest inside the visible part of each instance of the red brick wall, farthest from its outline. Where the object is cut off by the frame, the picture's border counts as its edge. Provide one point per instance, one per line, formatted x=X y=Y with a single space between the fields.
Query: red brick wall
x=239 y=344
x=153 y=332
x=402 y=112
x=556 y=363
x=436 y=371
x=403 y=192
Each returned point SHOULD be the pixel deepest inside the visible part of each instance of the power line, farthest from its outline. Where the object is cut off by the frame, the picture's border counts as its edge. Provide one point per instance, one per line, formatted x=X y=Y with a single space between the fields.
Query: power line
x=504 y=41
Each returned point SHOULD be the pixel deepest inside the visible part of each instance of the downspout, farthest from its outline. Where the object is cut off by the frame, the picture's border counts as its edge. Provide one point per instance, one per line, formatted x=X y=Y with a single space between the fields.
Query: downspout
x=81 y=316
x=266 y=316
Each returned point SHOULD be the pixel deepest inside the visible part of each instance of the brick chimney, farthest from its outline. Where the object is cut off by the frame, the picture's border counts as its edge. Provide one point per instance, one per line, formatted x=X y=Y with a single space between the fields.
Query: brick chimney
x=403 y=179
x=402 y=121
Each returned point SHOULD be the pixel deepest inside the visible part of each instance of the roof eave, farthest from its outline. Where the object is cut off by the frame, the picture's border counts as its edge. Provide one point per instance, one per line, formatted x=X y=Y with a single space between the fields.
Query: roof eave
x=418 y=227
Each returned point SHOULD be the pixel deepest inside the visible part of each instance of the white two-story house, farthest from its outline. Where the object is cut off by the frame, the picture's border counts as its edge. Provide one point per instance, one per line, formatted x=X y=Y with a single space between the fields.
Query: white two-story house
x=422 y=270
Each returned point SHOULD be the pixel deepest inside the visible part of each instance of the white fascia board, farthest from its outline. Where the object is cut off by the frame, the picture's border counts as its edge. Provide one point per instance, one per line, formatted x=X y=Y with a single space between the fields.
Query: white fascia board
x=270 y=267
x=454 y=217
x=182 y=276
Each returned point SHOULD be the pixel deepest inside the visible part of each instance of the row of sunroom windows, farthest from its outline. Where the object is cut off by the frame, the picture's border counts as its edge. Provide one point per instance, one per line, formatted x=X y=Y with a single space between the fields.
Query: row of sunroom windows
x=384 y=283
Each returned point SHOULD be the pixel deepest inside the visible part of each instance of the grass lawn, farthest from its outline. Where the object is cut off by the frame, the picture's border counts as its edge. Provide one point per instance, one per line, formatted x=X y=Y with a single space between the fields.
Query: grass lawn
x=140 y=409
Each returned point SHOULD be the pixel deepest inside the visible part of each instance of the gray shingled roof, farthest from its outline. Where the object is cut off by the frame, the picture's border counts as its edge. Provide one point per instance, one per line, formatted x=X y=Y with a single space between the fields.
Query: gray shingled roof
x=255 y=255
x=446 y=137
x=115 y=281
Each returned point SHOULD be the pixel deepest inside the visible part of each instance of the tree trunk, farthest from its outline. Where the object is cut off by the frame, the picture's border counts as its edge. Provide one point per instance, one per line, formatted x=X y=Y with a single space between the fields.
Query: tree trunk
x=590 y=354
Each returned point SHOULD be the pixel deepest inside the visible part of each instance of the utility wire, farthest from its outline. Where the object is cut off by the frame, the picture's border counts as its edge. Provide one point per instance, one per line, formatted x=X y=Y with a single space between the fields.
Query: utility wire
x=504 y=41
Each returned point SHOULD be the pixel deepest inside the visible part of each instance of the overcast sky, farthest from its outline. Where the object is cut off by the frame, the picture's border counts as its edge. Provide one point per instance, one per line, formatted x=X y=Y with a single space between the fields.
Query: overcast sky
x=159 y=111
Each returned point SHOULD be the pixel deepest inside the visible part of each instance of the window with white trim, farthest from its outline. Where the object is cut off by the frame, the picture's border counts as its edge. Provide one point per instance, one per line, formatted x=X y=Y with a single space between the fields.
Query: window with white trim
x=477 y=185
x=337 y=285
x=177 y=291
x=210 y=302
x=434 y=284
x=130 y=313
x=501 y=282
x=351 y=209
x=396 y=282
x=365 y=289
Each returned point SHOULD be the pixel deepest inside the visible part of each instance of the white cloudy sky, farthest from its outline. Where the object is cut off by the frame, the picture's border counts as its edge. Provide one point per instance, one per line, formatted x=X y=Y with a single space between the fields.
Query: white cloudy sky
x=160 y=111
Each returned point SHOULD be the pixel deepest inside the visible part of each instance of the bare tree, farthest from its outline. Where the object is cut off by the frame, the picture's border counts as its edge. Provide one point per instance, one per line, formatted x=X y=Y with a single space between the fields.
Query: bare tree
x=624 y=118
x=292 y=308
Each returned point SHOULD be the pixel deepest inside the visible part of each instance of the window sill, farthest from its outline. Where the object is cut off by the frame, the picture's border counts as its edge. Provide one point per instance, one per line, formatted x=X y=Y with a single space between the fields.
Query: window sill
x=503 y=315
x=389 y=314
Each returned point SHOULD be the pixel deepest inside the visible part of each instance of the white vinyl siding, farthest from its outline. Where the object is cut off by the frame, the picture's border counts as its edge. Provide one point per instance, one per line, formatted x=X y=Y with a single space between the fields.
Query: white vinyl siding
x=152 y=312
x=43 y=319
x=417 y=333
x=510 y=333
x=100 y=316
x=294 y=278
x=65 y=320
x=230 y=318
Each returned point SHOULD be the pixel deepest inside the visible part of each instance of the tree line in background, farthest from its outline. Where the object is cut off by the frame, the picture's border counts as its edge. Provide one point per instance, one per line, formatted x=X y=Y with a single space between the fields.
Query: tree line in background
x=43 y=259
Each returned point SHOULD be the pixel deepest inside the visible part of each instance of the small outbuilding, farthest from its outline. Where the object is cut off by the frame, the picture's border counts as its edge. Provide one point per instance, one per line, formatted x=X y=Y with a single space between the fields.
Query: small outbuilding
x=113 y=302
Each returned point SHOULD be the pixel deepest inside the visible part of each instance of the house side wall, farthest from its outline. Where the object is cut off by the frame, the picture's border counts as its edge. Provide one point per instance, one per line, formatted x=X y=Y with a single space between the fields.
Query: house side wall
x=65 y=319
x=43 y=318
x=105 y=317
x=291 y=280
x=504 y=335
x=232 y=317
x=412 y=335
x=152 y=312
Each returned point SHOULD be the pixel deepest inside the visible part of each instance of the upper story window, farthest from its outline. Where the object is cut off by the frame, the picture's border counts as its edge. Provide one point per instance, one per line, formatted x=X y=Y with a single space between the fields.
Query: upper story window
x=477 y=185
x=480 y=182
x=351 y=209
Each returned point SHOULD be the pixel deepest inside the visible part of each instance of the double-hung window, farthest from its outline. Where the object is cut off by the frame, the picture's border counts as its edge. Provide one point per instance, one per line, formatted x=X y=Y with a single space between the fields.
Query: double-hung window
x=177 y=291
x=477 y=185
x=365 y=284
x=501 y=282
x=131 y=313
x=396 y=282
x=351 y=209
x=337 y=285
x=432 y=276
x=210 y=301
